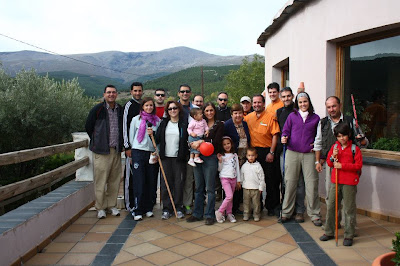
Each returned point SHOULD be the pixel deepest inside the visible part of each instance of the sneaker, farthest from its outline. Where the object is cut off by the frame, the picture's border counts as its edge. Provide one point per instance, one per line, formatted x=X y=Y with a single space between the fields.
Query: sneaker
x=101 y=214
x=153 y=159
x=231 y=218
x=114 y=211
x=256 y=219
x=347 y=242
x=179 y=215
x=317 y=222
x=188 y=210
x=138 y=217
x=165 y=215
x=326 y=238
x=220 y=217
x=198 y=160
x=299 y=218
x=149 y=214
x=191 y=163
x=245 y=218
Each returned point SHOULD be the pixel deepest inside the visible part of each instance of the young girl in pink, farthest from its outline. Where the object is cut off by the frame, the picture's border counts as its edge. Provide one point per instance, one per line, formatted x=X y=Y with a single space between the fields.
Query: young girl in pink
x=229 y=173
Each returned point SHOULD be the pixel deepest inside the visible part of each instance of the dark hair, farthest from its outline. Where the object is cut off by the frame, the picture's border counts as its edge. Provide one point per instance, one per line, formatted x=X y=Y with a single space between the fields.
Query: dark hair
x=273 y=85
x=236 y=107
x=251 y=149
x=310 y=107
x=223 y=92
x=109 y=86
x=198 y=95
x=334 y=97
x=232 y=150
x=286 y=89
x=178 y=104
x=342 y=128
x=148 y=99
x=139 y=84
x=260 y=95
x=184 y=85
x=194 y=111
x=212 y=105
x=160 y=89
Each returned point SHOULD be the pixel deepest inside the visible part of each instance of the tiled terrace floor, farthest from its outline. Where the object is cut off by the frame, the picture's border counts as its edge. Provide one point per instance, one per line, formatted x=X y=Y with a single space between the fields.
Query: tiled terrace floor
x=157 y=242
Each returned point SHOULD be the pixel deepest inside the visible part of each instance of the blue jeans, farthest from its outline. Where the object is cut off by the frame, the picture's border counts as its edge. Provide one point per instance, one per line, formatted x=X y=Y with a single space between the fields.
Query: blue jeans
x=204 y=176
x=144 y=182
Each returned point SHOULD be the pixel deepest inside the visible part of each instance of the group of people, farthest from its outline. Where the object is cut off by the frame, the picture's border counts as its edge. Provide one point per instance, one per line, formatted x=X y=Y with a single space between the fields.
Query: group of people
x=279 y=149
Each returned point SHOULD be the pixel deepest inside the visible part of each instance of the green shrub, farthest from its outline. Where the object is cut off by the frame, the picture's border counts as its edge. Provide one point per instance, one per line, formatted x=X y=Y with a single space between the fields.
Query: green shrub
x=389 y=144
x=396 y=248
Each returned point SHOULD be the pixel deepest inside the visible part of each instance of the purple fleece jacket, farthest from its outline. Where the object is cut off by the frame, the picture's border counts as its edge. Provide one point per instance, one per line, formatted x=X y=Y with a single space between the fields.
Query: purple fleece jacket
x=301 y=135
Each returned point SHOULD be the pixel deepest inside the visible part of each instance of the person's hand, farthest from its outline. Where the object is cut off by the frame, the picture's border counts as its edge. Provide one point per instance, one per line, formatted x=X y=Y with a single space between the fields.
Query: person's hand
x=128 y=153
x=219 y=156
x=196 y=144
x=206 y=134
x=318 y=167
x=322 y=161
x=335 y=152
x=337 y=165
x=270 y=158
x=149 y=131
x=261 y=192
x=238 y=186
x=193 y=134
x=284 y=139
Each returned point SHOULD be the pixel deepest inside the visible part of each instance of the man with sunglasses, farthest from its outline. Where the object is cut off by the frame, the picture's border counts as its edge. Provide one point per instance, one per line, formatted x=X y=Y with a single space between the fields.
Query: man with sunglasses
x=159 y=97
x=223 y=111
x=184 y=94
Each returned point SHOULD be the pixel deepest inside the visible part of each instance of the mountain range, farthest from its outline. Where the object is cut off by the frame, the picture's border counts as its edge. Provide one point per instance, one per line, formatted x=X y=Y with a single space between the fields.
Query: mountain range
x=140 y=66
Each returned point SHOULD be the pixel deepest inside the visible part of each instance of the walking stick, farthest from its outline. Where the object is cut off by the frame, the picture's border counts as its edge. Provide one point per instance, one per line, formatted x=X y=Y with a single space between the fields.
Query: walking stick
x=162 y=171
x=283 y=177
x=336 y=208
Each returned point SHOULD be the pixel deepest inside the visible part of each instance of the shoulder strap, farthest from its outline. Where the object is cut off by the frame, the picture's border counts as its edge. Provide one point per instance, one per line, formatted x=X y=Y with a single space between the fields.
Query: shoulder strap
x=353 y=150
x=335 y=146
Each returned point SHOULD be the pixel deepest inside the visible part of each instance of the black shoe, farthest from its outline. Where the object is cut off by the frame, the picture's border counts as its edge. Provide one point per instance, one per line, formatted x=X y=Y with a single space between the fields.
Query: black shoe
x=193 y=219
x=326 y=238
x=317 y=222
x=210 y=221
x=347 y=242
x=283 y=220
x=271 y=213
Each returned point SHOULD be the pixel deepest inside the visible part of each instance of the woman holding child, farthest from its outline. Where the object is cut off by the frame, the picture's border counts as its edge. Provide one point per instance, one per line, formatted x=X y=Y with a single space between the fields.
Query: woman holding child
x=299 y=134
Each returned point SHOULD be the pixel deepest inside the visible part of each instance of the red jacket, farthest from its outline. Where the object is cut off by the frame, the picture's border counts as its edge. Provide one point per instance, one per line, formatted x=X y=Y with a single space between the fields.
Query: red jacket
x=348 y=175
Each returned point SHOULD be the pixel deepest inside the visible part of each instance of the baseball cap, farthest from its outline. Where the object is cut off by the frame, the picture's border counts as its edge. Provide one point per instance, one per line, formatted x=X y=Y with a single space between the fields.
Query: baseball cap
x=245 y=98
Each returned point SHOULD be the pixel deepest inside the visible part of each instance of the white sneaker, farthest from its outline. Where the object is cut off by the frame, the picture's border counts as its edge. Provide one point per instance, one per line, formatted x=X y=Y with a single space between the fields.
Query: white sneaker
x=231 y=218
x=165 y=215
x=101 y=214
x=114 y=211
x=138 y=217
x=149 y=214
x=180 y=214
x=220 y=217
x=198 y=160
x=191 y=163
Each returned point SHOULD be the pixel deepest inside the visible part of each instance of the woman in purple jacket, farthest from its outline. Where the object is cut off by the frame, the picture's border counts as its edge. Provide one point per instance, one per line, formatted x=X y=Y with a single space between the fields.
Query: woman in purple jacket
x=299 y=133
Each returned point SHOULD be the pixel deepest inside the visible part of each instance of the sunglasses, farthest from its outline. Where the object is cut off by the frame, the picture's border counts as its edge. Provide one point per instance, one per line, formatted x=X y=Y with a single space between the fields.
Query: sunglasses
x=222 y=100
x=160 y=95
x=172 y=108
x=186 y=91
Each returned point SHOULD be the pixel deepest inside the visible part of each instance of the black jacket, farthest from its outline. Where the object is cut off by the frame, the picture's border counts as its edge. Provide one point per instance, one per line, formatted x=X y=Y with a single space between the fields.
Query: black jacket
x=230 y=131
x=183 y=149
x=98 y=128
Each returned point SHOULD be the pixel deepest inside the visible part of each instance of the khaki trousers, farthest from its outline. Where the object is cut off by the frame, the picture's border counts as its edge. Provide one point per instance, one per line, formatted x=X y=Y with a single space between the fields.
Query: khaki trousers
x=107 y=175
x=294 y=163
x=251 y=200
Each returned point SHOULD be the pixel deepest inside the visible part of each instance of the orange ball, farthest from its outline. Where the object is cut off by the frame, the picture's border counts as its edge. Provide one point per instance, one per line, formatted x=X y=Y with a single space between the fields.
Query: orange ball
x=206 y=148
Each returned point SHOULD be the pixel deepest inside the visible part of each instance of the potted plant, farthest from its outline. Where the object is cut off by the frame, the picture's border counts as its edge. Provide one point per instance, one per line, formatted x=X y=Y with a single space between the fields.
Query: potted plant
x=391 y=258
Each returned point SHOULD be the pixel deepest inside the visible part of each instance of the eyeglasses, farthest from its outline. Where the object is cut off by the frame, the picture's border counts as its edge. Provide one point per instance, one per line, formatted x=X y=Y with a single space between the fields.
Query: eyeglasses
x=222 y=99
x=186 y=91
x=160 y=95
x=172 y=108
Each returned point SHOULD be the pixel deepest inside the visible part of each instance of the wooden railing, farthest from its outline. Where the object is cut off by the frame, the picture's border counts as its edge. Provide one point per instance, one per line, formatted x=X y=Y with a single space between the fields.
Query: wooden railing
x=24 y=186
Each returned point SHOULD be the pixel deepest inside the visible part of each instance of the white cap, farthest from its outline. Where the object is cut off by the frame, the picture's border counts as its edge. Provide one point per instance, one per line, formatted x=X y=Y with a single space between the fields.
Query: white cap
x=245 y=98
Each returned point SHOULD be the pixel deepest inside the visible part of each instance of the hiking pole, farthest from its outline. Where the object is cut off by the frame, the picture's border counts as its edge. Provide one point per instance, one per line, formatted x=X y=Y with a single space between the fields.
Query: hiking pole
x=336 y=207
x=283 y=177
x=149 y=124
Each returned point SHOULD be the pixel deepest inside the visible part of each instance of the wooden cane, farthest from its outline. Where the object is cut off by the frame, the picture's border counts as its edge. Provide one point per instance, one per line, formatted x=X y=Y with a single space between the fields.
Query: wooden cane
x=336 y=208
x=163 y=174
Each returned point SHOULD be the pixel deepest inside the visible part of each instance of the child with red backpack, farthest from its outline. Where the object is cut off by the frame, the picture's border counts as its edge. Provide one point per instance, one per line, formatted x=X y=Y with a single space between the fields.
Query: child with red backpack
x=345 y=159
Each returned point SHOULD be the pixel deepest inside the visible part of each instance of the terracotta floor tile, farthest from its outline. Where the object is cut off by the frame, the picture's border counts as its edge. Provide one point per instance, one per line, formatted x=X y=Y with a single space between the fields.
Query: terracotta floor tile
x=269 y=233
x=232 y=249
x=370 y=253
x=251 y=241
x=132 y=241
x=79 y=228
x=96 y=237
x=211 y=257
x=143 y=249
x=187 y=249
x=55 y=247
x=277 y=248
x=277 y=227
x=66 y=237
x=122 y=257
x=77 y=259
x=209 y=230
x=187 y=225
x=339 y=254
x=45 y=259
x=258 y=257
x=163 y=257
x=209 y=241
x=189 y=235
x=187 y=262
x=91 y=213
x=86 y=220
x=134 y=262
x=140 y=228
x=263 y=222
x=87 y=247
x=298 y=255
x=167 y=242
x=286 y=261
x=287 y=239
x=236 y=262
x=171 y=229
x=111 y=220
x=246 y=228
x=227 y=224
x=393 y=228
x=229 y=234
x=150 y=235
x=153 y=222
x=103 y=228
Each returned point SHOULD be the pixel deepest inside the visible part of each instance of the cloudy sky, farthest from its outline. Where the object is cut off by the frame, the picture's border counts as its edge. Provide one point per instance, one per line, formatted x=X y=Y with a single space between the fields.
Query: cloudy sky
x=222 y=27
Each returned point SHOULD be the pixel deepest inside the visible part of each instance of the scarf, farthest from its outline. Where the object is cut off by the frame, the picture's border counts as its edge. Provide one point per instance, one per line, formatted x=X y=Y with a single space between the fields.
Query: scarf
x=303 y=115
x=145 y=117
